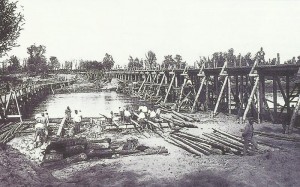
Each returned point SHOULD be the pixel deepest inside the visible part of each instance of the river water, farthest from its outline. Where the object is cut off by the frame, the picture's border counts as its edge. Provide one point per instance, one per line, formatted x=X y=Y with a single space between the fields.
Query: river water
x=90 y=104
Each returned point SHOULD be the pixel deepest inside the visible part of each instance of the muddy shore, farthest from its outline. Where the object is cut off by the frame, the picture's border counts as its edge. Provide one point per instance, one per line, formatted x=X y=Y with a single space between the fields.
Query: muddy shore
x=275 y=167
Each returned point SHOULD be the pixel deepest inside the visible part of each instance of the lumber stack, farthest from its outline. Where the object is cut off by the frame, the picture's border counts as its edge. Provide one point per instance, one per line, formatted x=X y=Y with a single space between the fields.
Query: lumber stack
x=218 y=142
x=10 y=130
x=63 y=151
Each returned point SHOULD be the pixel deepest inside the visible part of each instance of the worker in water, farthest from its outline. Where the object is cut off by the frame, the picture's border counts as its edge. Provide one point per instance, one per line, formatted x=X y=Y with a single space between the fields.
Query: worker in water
x=248 y=136
x=77 y=122
x=127 y=115
x=40 y=129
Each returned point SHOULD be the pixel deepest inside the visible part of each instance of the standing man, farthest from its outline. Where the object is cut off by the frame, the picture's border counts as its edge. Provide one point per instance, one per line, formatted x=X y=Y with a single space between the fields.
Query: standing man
x=39 y=129
x=127 y=115
x=121 y=112
x=68 y=115
x=248 y=136
x=77 y=122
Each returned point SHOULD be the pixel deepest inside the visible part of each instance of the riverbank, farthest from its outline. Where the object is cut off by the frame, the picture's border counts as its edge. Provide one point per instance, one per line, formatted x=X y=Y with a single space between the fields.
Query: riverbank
x=277 y=166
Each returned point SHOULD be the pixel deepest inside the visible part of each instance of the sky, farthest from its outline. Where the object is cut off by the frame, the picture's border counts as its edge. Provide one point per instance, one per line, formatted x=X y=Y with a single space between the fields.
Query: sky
x=87 y=29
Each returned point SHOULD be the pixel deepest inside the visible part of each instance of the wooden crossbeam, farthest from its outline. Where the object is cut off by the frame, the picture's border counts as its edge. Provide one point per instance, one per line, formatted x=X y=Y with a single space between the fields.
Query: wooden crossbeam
x=161 y=83
x=220 y=96
x=251 y=98
x=146 y=79
x=170 y=86
x=295 y=113
x=198 y=94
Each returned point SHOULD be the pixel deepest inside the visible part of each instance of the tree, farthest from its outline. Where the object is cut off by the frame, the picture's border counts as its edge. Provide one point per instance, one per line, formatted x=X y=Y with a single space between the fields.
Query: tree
x=53 y=63
x=151 y=58
x=68 y=65
x=178 y=61
x=11 y=22
x=108 y=62
x=37 y=62
x=14 y=64
x=168 y=61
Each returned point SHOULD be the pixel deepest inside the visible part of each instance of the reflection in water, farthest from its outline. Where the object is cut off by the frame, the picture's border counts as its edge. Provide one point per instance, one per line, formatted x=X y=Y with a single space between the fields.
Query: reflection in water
x=90 y=104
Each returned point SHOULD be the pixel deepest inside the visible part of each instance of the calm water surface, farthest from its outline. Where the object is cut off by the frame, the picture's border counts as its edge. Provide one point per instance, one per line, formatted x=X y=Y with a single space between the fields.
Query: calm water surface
x=90 y=104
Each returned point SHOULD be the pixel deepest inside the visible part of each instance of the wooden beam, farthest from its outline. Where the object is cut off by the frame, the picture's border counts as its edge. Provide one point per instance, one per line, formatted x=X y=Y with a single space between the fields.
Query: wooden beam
x=295 y=113
x=170 y=86
x=220 y=95
x=198 y=94
x=229 y=95
x=275 y=98
x=251 y=98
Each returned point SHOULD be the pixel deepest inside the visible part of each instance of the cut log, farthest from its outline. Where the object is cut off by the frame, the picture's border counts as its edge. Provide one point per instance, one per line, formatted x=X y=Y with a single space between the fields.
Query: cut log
x=73 y=150
x=103 y=140
x=69 y=141
x=107 y=153
x=214 y=144
x=155 y=150
x=276 y=136
x=183 y=116
x=126 y=152
x=180 y=123
x=228 y=135
x=98 y=146
x=53 y=157
x=186 y=147
x=189 y=143
x=234 y=149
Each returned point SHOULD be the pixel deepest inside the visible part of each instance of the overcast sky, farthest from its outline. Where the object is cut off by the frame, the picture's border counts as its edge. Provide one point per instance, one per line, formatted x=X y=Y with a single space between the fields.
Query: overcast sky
x=87 y=29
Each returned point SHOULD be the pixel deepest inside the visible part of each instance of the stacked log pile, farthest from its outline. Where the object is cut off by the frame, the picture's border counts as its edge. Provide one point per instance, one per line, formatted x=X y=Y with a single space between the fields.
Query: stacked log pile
x=218 y=142
x=10 y=130
x=181 y=120
x=63 y=151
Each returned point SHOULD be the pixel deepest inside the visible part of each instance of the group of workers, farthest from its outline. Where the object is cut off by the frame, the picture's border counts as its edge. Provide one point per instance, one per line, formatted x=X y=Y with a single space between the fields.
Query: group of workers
x=70 y=123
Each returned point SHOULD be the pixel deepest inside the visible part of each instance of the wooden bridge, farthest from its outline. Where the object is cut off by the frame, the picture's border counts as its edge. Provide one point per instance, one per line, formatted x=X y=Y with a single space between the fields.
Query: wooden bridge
x=19 y=102
x=253 y=90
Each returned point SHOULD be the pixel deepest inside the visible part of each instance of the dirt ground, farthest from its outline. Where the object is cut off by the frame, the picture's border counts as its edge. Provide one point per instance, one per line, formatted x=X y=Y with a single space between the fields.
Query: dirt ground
x=279 y=166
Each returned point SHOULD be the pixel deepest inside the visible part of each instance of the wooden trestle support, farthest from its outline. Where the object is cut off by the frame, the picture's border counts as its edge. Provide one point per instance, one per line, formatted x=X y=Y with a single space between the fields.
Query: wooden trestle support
x=19 y=102
x=224 y=89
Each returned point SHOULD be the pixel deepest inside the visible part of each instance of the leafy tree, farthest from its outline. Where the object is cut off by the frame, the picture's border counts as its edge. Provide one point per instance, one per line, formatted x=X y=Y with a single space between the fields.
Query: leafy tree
x=168 y=61
x=14 y=64
x=151 y=58
x=11 y=22
x=53 y=63
x=68 y=65
x=178 y=61
x=108 y=62
x=37 y=62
